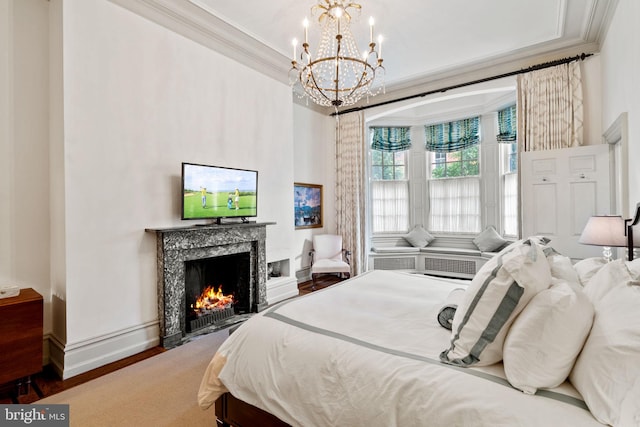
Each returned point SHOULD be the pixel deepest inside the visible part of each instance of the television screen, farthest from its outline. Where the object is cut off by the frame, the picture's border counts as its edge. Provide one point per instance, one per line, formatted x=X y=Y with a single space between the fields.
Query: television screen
x=218 y=192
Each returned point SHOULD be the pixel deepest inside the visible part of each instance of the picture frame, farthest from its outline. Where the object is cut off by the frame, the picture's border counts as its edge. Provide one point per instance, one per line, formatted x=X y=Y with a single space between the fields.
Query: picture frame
x=307 y=205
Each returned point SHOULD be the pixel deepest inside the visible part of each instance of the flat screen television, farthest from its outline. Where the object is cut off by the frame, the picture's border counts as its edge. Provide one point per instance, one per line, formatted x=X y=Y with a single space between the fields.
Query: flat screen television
x=215 y=192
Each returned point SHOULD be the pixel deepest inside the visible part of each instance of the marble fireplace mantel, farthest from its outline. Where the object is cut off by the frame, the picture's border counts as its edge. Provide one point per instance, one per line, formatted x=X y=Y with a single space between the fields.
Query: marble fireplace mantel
x=177 y=245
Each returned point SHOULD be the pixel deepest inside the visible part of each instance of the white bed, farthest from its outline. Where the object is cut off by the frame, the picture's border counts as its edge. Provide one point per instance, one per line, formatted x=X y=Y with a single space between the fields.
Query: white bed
x=366 y=352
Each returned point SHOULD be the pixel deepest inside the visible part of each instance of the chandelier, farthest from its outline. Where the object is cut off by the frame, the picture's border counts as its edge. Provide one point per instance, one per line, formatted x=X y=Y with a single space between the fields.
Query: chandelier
x=339 y=74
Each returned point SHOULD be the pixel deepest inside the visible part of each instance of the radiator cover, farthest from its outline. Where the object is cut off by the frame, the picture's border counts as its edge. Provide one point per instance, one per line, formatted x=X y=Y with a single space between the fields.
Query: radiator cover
x=400 y=263
x=446 y=265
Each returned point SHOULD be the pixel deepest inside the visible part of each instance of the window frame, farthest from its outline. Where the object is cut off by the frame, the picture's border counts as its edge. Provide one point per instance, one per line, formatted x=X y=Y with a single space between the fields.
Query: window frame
x=432 y=164
x=372 y=180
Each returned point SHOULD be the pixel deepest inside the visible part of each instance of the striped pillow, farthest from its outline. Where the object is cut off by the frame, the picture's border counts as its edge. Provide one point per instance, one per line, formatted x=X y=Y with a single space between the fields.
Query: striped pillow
x=497 y=293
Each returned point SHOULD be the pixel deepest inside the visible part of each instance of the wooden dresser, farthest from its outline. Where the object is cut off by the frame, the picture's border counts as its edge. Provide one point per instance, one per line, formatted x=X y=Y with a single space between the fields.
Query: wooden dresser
x=20 y=335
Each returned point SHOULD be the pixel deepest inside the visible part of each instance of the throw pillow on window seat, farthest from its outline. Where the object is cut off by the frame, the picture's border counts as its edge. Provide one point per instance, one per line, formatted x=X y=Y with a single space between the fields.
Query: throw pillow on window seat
x=489 y=240
x=419 y=237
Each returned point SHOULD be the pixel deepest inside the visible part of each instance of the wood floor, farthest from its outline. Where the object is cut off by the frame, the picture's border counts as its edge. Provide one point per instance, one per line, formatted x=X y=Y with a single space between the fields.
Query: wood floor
x=47 y=382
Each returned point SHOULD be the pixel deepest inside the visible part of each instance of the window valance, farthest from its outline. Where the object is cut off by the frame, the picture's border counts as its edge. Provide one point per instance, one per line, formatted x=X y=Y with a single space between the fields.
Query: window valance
x=507 y=125
x=452 y=136
x=391 y=138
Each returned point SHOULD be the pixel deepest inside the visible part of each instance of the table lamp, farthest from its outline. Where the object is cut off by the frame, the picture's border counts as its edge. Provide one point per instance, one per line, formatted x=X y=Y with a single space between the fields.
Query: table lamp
x=606 y=231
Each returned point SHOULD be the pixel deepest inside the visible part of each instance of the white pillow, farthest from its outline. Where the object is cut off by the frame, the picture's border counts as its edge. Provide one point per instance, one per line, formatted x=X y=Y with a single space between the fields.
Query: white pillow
x=544 y=341
x=562 y=268
x=607 y=370
x=587 y=267
x=489 y=240
x=419 y=237
x=607 y=278
x=497 y=293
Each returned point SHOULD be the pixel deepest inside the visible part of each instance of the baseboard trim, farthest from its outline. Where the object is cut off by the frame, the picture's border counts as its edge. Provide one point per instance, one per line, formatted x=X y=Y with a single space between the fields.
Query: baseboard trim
x=72 y=359
x=303 y=275
x=279 y=289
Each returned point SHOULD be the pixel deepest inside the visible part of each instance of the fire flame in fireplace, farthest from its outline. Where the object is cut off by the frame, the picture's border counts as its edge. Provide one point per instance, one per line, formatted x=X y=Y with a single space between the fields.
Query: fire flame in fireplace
x=211 y=299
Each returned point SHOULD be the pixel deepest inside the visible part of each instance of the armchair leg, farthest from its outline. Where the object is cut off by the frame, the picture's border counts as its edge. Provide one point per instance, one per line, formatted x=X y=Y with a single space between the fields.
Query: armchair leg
x=313 y=281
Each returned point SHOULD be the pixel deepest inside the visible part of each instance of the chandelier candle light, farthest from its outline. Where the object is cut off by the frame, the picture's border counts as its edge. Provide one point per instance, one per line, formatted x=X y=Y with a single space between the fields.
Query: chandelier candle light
x=338 y=75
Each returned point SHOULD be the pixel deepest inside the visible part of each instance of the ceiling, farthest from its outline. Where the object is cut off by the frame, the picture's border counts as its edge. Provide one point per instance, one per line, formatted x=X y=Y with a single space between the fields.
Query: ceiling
x=428 y=44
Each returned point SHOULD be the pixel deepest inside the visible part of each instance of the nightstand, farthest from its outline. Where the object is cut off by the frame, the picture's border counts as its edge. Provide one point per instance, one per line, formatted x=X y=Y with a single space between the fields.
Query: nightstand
x=21 y=335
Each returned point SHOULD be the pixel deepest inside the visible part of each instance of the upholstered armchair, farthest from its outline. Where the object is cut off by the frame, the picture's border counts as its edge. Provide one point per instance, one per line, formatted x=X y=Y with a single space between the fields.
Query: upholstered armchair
x=329 y=257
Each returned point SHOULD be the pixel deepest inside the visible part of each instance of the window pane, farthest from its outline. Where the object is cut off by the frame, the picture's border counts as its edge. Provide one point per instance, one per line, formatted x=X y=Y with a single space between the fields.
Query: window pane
x=513 y=157
x=376 y=172
x=470 y=153
x=387 y=172
x=390 y=206
x=437 y=171
x=454 y=156
x=387 y=158
x=510 y=204
x=471 y=168
x=455 y=205
x=454 y=169
x=399 y=158
x=376 y=157
x=513 y=163
x=399 y=172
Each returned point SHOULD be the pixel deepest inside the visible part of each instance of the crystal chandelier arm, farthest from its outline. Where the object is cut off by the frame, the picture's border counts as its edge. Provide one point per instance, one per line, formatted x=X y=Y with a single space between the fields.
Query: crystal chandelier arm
x=313 y=86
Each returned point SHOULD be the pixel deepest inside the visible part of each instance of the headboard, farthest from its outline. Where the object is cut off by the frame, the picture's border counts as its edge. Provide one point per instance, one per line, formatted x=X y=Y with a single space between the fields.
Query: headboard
x=629 y=223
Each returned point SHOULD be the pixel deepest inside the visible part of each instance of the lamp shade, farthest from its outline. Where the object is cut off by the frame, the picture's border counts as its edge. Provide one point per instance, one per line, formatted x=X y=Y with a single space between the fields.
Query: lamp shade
x=605 y=230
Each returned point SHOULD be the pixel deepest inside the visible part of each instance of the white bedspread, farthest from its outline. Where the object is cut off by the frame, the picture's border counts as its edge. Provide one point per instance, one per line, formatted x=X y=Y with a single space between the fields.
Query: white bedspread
x=365 y=353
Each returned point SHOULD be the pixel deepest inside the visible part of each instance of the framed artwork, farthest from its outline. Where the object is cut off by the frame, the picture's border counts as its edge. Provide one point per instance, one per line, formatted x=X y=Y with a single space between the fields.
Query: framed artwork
x=307 y=201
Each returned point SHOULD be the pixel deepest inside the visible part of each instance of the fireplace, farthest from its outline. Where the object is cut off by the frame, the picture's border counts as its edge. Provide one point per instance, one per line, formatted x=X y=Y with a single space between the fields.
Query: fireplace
x=216 y=289
x=191 y=258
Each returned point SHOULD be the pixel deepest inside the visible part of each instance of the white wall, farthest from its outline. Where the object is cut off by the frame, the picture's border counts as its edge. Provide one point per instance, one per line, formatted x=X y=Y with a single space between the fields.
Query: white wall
x=314 y=160
x=6 y=140
x=138 y=101
x=94 y=159
x=592 y=100
x=620 y=58
x=24 y=157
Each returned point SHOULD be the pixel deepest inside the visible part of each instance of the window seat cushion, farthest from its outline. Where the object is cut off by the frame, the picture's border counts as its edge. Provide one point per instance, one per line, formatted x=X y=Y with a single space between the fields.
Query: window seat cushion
x=395 y=249
x=452 y=251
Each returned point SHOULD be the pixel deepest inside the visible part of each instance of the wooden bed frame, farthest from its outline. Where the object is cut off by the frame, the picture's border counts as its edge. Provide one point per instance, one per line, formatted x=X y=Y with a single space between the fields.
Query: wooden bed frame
x=231 y=411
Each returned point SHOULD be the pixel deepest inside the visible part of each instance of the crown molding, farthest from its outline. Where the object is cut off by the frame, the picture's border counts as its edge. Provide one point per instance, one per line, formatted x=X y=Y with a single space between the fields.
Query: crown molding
x=190 y=20
x=598 y=22
x=193 y=22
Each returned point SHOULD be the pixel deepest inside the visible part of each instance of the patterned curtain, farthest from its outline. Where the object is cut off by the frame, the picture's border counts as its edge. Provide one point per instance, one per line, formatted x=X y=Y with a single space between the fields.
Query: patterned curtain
x=550 y=112
x=507 y=125
x=391 y=139
x=452 y=136
x=350 y=186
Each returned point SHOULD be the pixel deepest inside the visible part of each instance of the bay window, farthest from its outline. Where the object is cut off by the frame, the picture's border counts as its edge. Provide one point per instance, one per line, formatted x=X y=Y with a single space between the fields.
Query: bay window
x=454 y=179
x=389 y=184
x=507 y=137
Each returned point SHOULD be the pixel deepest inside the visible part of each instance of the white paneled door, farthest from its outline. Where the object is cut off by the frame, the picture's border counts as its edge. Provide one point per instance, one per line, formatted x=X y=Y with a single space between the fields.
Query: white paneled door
x=561 y=189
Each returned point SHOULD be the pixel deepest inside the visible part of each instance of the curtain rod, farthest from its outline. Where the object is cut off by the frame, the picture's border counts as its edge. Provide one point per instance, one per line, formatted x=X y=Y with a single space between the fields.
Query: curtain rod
x=473 y=82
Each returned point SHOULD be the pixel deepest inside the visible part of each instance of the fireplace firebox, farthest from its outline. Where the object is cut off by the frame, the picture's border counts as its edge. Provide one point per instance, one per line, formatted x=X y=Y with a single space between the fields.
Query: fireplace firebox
x=216 y=289
x=232 y=255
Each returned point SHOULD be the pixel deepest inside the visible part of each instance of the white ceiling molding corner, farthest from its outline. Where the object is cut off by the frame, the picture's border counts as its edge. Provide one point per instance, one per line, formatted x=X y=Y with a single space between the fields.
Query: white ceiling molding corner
x=198 y=25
